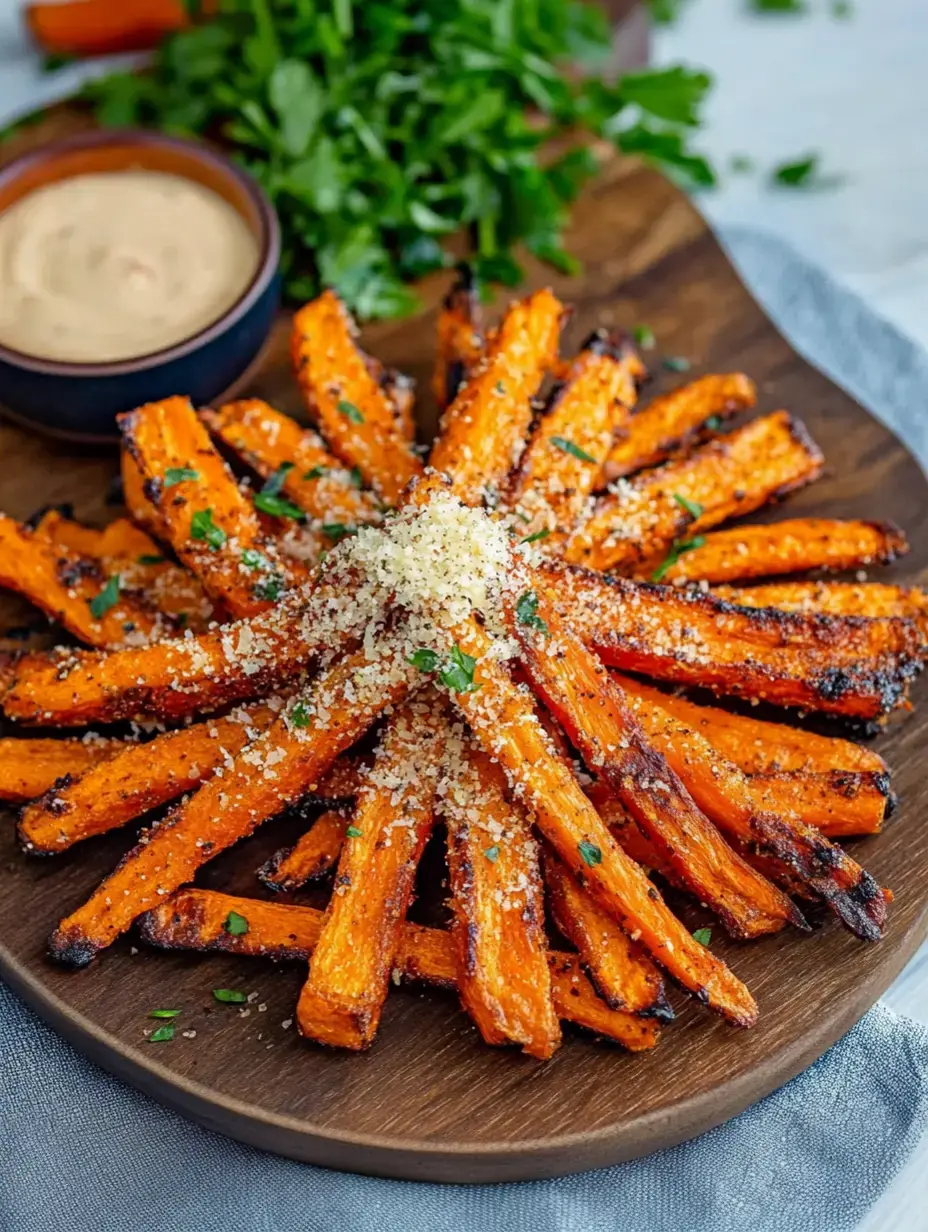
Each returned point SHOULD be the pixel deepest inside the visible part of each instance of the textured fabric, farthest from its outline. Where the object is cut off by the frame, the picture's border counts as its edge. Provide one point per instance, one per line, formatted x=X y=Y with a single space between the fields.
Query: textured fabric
x=81 y=1152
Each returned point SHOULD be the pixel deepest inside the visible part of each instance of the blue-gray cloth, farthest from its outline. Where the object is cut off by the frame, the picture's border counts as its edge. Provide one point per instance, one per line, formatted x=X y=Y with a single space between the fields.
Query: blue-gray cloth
x=82 y=1153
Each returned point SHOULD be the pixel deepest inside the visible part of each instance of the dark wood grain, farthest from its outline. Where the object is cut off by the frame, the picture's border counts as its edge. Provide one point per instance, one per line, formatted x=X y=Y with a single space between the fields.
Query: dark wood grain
x=429 y=1100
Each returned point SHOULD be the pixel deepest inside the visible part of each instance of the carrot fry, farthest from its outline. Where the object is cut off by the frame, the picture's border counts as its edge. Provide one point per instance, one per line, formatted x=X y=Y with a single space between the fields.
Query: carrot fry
x=74 y=590
x=101 y=28
x=483 y=430
x=642 y=524
x=762 y=747
x=550 y=487
x=498 y=906
x=505 y=723
x=741 y=807
x=840 y=803
x=29 y=767
x=621 y=972
x=312 y=477
x=136 y=779
x=842 y=665
x=460 y=338
x=599 y=721
x=123 y=548
x=346 y=401
x=342 y=1000
x=272 y=772
x=207 y=520
x=871 y=599
x=792 y=546
x=195 y=920
x=311 y=858
x=671 y=422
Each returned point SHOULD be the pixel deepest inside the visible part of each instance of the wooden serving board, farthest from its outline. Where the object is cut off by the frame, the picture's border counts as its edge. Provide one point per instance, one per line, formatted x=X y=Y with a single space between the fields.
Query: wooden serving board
x=429 y=1100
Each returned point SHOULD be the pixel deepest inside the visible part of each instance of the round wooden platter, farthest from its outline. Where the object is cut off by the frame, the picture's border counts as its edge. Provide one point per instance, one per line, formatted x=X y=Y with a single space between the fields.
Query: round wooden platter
x=429 y=1100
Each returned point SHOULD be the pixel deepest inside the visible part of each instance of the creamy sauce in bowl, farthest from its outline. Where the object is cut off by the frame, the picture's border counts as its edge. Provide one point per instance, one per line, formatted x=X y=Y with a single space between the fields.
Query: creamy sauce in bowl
x=118 y=265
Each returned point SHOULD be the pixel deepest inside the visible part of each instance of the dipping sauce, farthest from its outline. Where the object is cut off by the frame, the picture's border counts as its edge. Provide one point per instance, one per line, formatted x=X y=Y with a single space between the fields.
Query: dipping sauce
x=118 y=265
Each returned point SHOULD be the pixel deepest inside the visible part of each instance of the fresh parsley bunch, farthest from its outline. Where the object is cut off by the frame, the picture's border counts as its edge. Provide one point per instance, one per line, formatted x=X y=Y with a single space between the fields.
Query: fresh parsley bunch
x=379 y=127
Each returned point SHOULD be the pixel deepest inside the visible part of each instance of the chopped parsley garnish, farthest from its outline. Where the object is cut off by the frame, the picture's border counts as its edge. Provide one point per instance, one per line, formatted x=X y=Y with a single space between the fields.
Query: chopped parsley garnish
x=299 y=715
x=108 y=597
x=350 y=411
x=273 y=485
x=500 y=387
x=527 y=612
x=162 y=1034
x=151 y=560
x=800 y=173
x=278 y=506
x=566 y=446
x=425 y=660
x=644 y=336
x=492 y=853
x=252 y=559
x=676 y=363
x=539 y=534
x=355 y=478
x=354 y=832
x=678 y=548
x=337 y=531
x=714 y=423
x=177 y=474
x=316 y=472
x=163 y=1013
x=457 y=674
x=202 y=526
x=229 y=996
x=693 y=508
x=590 y=854
x=703 y=936
x=235 y=925
x=270 y=588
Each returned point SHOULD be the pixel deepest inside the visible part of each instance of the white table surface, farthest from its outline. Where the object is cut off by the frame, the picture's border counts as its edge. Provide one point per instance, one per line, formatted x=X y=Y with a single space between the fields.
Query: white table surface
x=855 y=90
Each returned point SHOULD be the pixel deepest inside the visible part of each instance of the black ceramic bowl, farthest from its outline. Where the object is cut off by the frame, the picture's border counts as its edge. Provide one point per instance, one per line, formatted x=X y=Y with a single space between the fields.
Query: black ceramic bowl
x=78 y=400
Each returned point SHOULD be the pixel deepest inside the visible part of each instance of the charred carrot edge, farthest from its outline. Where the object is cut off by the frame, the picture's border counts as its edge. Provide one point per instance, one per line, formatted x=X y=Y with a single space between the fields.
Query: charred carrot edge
x=341 y=1002
x=133 y=492
x=483 y=429
x=743 y=809
x=128 y=551
x=314 y=855
x=873 y=599
x=313 y=478
x=671 y=422
x=67 y=587
x=599 y=721
x=136 y=779
x=570 y=439
x=504 y=721
x=100 y=28
x=840 y=803
x=622 y=974
x=792 y=546
x=29 y=767
x=842 y=665
x=346 y=401
x=460 y=338
x=207 y=520
x=498 y=907
x=195 y=920
x=636 y=526
x=229 y=808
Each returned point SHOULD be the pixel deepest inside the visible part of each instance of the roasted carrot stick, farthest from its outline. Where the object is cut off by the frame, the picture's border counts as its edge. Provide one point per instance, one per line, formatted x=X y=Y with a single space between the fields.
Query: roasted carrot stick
x=313 y=856
x=624 y=976
x=840 y=803
x=208 y=521
x=647 y=522
x=460 y=338
x=497 y=905
x=549 y=488
x=346 y=401
x=599 y=721
x=75 y=591
x=29 y=767
x=742 y=809
x=671 y=422
x=196 y=919
x=504 y=721
x=101 y=28
x=136 y=779
x=842 y=665
x=341 y=1002
x=272 y=772
x=484 y=428
x=833 y=598
x=312 y=477
x=791 y=546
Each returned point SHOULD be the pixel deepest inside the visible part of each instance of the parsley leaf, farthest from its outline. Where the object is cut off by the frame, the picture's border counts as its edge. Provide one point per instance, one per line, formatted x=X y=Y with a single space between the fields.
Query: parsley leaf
x=235 y=925
x=803 y=173
x=678 y=548
x=270 y=588
x=151 y=559
x=527 y=612
x=693 y=508
x=676 y=363
x=354 y=832
x=590 y=854
x=316 y=472
x=229 y=996
x=492 y=853
x=108 y=597
x=714 y=423
x=177 y=474
x=644 y=336
x=566 y=446
x=278 y=506
x=703 y=936
x=253 y=559
x=299 y=715
x=539 y=534
x=163 y=1013
x=337 y=531
x=458 y=674
x=162 y=1034
x=202 y=526
x=425 y=660
x=273 y=485
x=350 y=411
